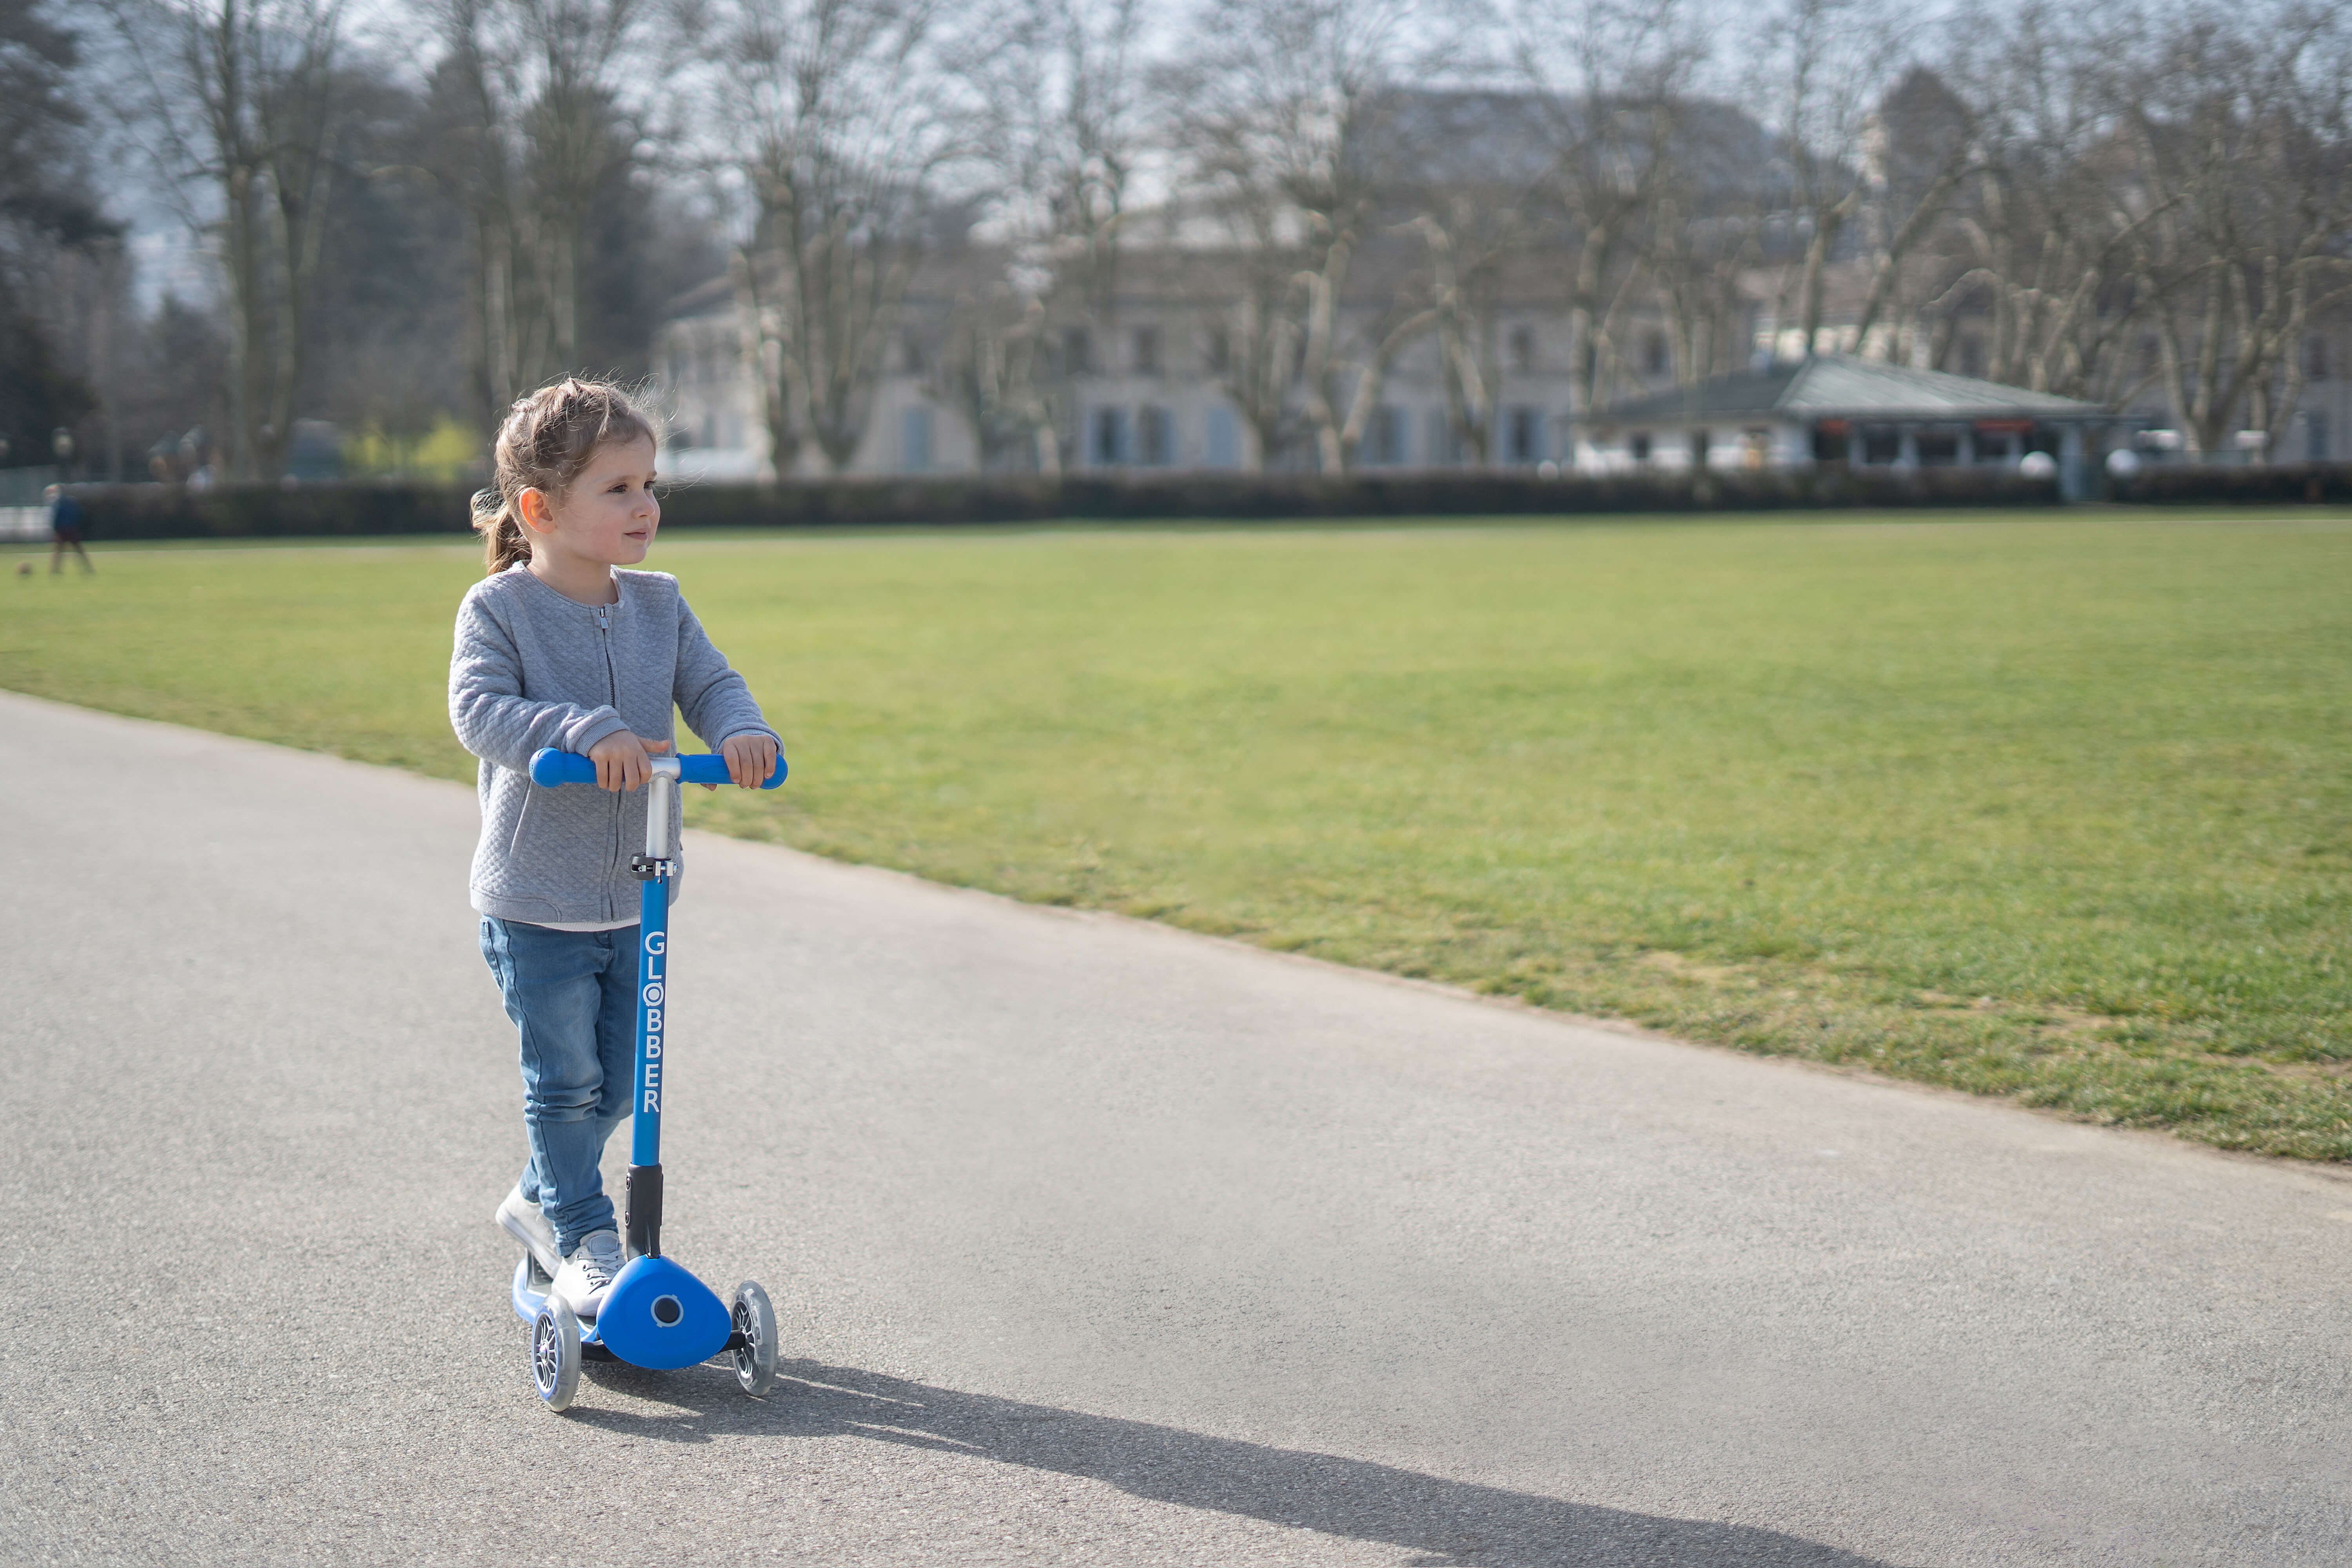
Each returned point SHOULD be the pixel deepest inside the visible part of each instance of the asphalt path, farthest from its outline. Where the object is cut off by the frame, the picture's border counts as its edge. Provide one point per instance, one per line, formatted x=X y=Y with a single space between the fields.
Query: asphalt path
x=1091 y=1242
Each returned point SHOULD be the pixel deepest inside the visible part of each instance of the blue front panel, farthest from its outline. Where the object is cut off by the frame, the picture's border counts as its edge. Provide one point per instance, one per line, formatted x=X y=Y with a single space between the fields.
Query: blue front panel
x=653 y=965
x=648 y=1290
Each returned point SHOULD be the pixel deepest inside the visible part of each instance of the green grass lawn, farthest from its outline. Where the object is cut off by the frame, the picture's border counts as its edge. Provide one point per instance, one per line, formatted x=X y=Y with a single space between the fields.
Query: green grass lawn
x=2057 y=808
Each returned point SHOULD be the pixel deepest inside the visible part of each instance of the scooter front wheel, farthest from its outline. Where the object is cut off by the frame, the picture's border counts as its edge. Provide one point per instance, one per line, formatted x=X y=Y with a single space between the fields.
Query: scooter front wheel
x=555 y=1353
x=755 y=1359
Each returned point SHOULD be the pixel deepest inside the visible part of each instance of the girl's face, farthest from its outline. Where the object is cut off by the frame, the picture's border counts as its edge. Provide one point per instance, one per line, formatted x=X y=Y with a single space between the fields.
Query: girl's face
x=607 y=516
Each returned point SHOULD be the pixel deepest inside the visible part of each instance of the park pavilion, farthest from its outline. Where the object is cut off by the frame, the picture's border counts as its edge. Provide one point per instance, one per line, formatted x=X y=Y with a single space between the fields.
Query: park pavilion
x=1835 y=408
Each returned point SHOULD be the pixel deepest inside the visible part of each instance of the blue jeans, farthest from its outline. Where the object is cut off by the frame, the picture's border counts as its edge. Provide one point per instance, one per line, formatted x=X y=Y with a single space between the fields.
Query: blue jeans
x=573 y=997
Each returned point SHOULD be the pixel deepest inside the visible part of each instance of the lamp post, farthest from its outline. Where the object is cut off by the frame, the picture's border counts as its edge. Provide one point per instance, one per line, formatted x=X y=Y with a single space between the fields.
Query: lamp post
x=61 y=446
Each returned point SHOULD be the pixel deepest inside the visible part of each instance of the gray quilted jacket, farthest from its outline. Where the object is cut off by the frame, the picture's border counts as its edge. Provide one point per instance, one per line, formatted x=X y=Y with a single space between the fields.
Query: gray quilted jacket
x=535 y=668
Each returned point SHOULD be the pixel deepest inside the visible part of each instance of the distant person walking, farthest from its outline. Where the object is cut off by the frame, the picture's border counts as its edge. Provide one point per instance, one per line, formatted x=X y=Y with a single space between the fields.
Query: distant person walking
x=66 y=519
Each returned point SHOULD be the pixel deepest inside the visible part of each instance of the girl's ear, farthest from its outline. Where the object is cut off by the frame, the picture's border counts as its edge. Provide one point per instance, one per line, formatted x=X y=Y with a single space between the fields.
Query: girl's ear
x=531 y=505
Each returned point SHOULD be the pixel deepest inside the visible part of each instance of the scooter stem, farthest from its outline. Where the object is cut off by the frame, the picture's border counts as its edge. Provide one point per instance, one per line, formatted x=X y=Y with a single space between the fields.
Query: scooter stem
x=656 y=866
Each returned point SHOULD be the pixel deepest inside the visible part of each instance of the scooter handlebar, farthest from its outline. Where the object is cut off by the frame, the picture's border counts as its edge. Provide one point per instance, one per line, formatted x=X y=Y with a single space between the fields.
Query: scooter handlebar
x=551 y=767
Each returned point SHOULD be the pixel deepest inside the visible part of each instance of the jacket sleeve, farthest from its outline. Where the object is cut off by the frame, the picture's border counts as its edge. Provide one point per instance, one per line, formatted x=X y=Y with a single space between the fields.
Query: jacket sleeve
x=717 y=703
x=487 y=708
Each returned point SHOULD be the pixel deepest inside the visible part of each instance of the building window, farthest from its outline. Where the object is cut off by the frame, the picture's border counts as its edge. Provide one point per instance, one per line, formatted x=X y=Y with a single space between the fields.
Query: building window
x=1830 y=441
x=1881 y=443
x=1147 y=350
x=2315 y=358
x=1385 y=438
x=1445 y=438
x=1523 y=350
x=1654 y=353
x=1637 y=446
x=1220 y=351
x=2314 y=436
x=1110 y=445
x=1939 y=448
x=1078 y=352
x=1225 y=441
x=915 y=439
x=1522 y=435
x=1155 y=438
x=1701 y=441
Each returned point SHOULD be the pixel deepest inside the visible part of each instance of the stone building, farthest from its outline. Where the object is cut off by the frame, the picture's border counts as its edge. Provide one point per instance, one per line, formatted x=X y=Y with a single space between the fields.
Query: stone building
x=1144 y=380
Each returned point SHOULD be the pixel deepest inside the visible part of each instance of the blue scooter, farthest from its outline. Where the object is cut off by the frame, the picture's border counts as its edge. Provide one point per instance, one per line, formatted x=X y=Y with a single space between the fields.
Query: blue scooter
x=656 y=1314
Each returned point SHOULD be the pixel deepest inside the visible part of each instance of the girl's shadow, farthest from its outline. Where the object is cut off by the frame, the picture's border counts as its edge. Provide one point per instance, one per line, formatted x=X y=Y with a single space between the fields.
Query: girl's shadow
x=1450 y=1522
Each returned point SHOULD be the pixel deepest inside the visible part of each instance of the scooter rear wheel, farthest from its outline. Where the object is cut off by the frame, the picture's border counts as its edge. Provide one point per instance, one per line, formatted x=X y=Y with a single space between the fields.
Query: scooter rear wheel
x=555 y=1353
x=755 y=1320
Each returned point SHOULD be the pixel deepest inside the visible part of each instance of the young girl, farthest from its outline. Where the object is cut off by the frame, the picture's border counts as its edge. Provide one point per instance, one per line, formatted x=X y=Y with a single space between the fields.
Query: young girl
x=561 y=647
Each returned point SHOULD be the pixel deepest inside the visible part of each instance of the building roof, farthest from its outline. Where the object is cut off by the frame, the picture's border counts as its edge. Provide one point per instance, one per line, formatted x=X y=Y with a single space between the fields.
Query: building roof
x=1482 y=137
x=1839 y=386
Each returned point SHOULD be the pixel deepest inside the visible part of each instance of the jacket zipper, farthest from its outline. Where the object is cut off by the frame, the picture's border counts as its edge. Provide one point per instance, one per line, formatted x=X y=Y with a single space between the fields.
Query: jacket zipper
x=612 y=696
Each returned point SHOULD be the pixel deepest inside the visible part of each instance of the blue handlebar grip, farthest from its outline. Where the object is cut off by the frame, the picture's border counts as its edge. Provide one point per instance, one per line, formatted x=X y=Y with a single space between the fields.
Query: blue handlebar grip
x=551 y=767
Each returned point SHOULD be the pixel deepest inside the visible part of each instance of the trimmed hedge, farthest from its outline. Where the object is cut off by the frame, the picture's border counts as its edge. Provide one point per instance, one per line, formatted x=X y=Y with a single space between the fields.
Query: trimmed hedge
x=272 y=511
x=2290 y=484
x=329 y=510
x=1279 y=496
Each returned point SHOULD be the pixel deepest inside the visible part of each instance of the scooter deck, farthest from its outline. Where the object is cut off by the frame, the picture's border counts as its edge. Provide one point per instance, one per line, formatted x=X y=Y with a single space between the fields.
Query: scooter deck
x=531 y=1284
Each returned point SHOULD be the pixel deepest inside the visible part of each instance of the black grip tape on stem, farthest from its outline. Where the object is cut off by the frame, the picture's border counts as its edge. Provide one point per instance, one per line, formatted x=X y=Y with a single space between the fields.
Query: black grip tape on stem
x=645 y=1203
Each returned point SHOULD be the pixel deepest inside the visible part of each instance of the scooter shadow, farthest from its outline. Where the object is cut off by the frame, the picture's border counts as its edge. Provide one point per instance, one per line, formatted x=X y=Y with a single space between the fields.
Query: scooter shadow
x=1447 y=1522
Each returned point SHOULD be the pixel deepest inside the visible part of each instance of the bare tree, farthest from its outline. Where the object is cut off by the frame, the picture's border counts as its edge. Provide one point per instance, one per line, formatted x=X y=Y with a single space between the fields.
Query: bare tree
x=61 y=256
x=1470 y=235
x=1719 y=205
x=988 y=371
x=2239 y=144
x=1060 y=123
x=1612 y=80
x=1059 y=127
x=1274 y=111
x=1265 y=339
x=1922 y=148
x=1701 y=258
x=536 y=127
x=1823 y=70
x=832 y=121
x=235 y=99
x=2043 y=219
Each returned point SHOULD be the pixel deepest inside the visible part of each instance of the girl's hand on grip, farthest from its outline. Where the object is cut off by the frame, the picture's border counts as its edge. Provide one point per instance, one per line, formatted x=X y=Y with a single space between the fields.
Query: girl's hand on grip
x=620 y=759
x=750 y=758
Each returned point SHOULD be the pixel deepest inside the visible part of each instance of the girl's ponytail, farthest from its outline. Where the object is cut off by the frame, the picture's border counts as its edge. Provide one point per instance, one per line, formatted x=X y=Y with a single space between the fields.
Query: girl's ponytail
x=502 y=531
x=547 y=439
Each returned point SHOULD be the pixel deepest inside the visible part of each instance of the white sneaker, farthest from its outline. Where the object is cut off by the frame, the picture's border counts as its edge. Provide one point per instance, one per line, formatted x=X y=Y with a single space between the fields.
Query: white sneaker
x=520 y=1218
x=588 y=1273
